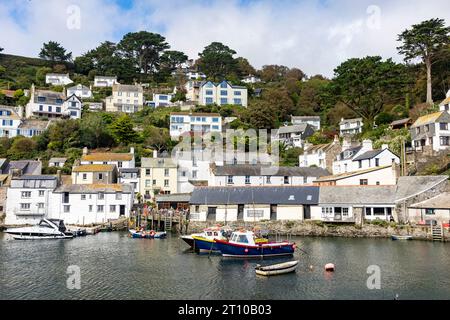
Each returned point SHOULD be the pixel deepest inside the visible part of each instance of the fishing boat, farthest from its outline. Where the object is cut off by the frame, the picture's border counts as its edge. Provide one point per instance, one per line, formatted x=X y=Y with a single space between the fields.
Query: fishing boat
x=399 y=237
x=151 y=234
x=204 y=241
x=276 y=269
x=45 y=229
x=242 y=244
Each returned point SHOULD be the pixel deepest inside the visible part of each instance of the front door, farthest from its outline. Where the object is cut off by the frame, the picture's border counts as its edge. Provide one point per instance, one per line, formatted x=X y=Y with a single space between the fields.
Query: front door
x=273 y=212
x=122 y=210
x=240 y=216
x=337 y=214
x=211 y=214
x=307 y=213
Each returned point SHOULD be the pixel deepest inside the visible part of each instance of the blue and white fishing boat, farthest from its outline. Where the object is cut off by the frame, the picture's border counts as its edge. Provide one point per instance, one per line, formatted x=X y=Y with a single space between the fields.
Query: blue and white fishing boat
x=244 y=244
x=147 y=234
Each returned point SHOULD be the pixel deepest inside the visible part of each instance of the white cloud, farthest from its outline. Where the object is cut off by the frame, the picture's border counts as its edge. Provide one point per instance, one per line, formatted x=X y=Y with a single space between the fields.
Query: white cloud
x=313 y=35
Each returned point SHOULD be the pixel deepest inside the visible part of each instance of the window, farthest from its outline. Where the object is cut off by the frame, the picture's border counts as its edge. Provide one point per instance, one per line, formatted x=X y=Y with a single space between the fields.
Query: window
x=166 y=183
x=26 y=194
x=66 y=208
x=49 y=108
x=378 y=211
x=429 y=211
x=112 y=208
x=101 y=196
x=119 y=164
x=359 y=163
x=84 y=176
x=154 y=182
x=41 y=193
x=427 y=128
x=445 y=141
x=209 y=100
x=147 y=172
x=286 y=180
x=215 y=127
x=209 y=92
x=197 y=208
x=118 y=196
x=377 y=162
x=418 y=130
x=430 y=140
x=368 y=211
x=363 y=182
x=268 y=179
x=100 y=208
x=237 y=93
x=345 y=212
x=237 y=101
x=100 y=176
x=41 y=99
x=83 y=197
x=224 y=84
x=223 y=101
x=223 y=92
x=166 y=172
x=25 y=206
x=230 y=179
x=90 y=208
x=255 y=213
x=119 y=93
x=194 y=174
x=247 y=179
x=443 y=126
x=41 y=205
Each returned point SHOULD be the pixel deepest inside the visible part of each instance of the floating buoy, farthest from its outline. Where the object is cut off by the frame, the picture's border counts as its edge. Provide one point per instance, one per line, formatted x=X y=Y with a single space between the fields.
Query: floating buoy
x=294 y=246
x=329 y=267
x=246 y=250
x=311 y=267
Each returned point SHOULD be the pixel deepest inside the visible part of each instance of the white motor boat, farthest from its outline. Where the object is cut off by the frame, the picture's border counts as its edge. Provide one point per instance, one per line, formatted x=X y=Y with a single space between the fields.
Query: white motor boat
x=45 y=229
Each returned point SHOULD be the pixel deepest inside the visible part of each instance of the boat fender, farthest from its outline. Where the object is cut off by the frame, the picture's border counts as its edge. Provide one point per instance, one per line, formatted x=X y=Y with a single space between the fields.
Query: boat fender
x=152 y=233
x=246 y=250
x=329 y=267
x=294 y=246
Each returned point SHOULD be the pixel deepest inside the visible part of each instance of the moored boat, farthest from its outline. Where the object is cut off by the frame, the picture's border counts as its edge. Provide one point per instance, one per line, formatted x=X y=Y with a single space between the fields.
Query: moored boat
x=242 y=244
x=45 y=229
x=400 y=237
x=204 y=241
x=147 y=234
x=276 y=269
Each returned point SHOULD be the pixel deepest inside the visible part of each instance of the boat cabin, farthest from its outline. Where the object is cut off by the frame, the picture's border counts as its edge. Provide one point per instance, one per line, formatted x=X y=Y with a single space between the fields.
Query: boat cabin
x=243 y=237
x=212 y=233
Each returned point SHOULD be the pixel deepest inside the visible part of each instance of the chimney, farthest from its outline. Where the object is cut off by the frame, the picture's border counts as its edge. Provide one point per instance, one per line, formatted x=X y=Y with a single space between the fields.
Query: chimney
x=367 y=145
x=346 y=143
x=85 y=151
x=58 y=176
x=155 y=154
x=384 y=146
x=307 y=146
x=132 y=150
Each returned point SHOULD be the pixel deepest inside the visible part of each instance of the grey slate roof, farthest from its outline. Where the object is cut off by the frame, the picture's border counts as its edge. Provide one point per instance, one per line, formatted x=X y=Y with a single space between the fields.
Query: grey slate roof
x=129 y=170
x=354 y=195
x=255 y=170
x=27 y=166
x=368 y=155
x=36 y=177
x=441 y=201
x=349 y=153
x=308 y=195
x=292 y=129
x=95 y=188
x=53 y=160
x=408 y=186
x=158 y=163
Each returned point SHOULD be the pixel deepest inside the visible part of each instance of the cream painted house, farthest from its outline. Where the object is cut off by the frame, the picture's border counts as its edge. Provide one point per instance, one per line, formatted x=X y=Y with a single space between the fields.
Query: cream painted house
x=222 y=93
x=94 y=174
x=158 y=176
x=125 y=98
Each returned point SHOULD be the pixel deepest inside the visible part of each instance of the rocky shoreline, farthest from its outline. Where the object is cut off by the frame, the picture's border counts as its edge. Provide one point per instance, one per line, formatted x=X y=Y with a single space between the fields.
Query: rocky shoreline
x=320 y=229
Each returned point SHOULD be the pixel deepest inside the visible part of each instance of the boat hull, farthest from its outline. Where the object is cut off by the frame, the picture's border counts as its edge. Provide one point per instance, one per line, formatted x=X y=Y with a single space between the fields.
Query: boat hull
x=139 y=235
x=263 y=250
x=396 y=237
x=40 y=237
x=189 y=240
x=202 y=244
x=277 y=269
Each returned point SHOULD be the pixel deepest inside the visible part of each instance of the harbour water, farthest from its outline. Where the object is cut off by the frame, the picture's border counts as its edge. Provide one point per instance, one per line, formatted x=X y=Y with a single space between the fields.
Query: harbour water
x=114 y=266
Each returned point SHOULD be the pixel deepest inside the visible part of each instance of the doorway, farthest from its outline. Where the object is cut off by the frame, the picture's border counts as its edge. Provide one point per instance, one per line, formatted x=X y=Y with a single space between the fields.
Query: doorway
x=240 y=215
x=211 y=214
x=273 y=212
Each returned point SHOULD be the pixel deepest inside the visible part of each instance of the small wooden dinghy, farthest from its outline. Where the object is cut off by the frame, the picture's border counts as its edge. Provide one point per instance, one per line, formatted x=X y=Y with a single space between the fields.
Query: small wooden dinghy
x=276 y=269
x=398 y=237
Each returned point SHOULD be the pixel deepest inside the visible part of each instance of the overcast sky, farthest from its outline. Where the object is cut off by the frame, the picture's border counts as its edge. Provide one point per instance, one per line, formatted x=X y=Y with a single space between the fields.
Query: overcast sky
x=313 y=35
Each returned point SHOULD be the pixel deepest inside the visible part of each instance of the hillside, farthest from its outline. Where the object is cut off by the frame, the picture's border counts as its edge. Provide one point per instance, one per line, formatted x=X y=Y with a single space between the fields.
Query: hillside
x=18 y=72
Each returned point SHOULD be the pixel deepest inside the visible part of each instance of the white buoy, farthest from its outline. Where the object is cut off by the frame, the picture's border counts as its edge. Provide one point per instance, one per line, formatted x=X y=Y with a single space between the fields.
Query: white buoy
x=329 y=267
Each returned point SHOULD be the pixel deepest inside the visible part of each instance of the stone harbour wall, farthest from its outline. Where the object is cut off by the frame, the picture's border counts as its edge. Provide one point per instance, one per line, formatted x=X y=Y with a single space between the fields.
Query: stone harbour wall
x=320 y=229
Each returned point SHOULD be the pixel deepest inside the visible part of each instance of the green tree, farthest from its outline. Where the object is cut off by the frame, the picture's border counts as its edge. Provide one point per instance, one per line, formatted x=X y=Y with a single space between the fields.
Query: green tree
x=40 y=75
x=156 y=138
x=55 y=52
x=122 y=130
x=312 y=96
x=273 y=73
x=172 y=59
x=244 y=68
x=145 y=49
x=217 y=61
x=425 y=40
x=261 y=115
x=94 y=131
x=282 y=104
x=366 y=85
x=22 y=148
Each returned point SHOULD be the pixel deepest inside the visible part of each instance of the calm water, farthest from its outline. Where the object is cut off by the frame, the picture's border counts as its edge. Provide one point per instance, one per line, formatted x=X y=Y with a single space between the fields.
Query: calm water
x=114 y=266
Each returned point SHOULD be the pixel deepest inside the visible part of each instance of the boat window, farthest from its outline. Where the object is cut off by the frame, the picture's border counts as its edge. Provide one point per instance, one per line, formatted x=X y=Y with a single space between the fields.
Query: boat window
x=45 y=224
x=216 y=234
x=243 y=239
x=209 y=234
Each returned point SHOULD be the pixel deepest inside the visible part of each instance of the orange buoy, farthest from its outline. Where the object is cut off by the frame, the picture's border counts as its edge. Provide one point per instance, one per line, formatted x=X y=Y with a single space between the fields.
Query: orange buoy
x=329 y=267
